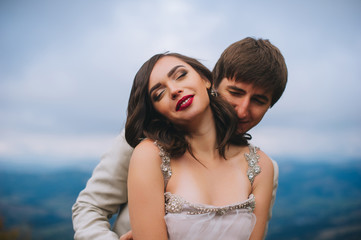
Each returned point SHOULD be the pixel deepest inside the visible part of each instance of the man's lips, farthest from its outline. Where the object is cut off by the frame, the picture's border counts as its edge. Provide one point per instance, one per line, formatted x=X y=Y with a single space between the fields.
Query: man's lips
x=243 y=121
x=184 y=102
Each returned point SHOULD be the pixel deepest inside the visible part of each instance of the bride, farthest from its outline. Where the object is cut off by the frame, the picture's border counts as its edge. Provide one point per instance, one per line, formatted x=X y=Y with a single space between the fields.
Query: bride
x=191 y=175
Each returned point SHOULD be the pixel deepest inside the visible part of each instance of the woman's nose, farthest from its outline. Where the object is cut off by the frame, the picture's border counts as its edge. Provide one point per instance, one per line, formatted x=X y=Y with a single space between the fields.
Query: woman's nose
x=176 y=93
x=174 y=90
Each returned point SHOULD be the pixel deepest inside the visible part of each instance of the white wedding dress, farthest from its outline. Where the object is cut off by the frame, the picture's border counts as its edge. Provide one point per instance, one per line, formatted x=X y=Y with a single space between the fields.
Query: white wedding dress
x=191 y=221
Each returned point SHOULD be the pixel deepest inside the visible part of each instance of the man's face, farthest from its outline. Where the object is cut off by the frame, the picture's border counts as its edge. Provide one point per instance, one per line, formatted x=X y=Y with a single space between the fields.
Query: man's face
x=250 y=102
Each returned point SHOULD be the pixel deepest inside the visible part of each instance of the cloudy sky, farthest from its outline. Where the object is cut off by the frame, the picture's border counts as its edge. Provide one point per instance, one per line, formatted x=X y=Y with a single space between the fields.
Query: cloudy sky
x=66 y=69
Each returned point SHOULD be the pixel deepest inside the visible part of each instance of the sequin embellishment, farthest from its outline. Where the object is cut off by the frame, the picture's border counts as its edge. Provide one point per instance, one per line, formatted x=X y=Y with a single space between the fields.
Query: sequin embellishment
x=252 y=158
x=176 y=204
x=165 y=166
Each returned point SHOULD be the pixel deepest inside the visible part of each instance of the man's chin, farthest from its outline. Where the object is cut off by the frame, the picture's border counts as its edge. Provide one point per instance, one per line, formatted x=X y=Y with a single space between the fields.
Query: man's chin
x=242 y=128
x=241 y=131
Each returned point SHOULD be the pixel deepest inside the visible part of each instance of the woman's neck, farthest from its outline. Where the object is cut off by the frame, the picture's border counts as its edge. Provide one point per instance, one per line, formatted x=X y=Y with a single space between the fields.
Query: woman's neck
x=202 y=138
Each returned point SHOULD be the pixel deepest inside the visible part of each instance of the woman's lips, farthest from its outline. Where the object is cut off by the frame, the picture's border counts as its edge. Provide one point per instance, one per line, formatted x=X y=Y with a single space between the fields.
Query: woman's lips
x=184 y=102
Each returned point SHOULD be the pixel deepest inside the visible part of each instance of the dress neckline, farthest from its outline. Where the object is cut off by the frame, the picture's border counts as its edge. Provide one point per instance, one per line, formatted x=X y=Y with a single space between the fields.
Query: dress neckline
x=250 y=198
x=177 y=204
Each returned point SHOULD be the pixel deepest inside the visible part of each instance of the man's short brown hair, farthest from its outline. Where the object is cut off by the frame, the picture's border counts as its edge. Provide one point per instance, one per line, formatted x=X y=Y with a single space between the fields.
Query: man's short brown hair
x=255 y=61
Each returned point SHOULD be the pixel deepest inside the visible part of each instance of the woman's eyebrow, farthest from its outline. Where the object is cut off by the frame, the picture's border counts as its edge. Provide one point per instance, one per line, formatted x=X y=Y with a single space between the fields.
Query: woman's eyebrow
x=171 y=72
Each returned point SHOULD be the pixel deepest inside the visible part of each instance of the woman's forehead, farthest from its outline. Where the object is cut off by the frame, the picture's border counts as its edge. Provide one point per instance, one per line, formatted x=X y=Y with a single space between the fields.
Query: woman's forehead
x=164 y=66
x=169 y=61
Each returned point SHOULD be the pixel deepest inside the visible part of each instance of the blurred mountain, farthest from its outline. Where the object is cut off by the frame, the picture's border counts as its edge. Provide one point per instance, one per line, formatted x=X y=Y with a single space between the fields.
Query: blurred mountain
x=315 y=200
x=38 y=205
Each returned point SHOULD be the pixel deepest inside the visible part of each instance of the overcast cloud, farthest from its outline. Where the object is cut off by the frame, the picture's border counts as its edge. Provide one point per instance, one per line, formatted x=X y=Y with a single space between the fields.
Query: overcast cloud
x=66 y=69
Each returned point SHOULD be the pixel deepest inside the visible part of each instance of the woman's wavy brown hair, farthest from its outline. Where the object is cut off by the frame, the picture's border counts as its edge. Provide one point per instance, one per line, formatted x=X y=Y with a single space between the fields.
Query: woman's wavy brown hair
x=143 y=121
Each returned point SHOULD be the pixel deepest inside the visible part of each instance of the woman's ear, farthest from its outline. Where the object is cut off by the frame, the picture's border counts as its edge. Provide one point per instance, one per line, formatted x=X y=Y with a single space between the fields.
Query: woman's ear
x=208 y=83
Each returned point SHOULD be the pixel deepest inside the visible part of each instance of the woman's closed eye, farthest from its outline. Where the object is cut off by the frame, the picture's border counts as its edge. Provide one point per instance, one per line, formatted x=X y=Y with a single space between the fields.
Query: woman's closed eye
x=157 y=95
x=181 y=74
x=157 y=91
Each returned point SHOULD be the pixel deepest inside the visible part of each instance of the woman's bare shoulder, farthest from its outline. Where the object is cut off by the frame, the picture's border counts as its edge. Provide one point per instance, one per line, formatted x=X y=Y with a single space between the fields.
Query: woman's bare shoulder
x=146 y=152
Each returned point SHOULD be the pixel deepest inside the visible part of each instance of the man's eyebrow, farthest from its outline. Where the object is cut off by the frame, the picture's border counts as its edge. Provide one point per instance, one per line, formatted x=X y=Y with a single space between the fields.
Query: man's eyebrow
x=232 y=87
x=171 y=72
x=154 y=88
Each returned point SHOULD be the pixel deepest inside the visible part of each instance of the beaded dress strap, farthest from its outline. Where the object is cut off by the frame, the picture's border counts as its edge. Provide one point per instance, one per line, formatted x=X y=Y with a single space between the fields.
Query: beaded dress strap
x=252 y=158
x=165 y=166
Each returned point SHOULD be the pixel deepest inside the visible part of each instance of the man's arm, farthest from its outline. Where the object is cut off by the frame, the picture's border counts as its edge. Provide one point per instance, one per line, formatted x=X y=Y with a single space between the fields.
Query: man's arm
x=275 y=186
x=274 y=192
x=105 y=191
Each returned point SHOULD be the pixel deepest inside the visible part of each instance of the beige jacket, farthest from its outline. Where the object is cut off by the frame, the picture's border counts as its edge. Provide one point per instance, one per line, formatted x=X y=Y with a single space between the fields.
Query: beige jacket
x=105 y=194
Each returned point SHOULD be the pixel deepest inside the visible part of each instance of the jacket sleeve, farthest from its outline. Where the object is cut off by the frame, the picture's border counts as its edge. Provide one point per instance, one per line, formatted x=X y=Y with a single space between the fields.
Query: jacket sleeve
x=275 y=186
x=274 y=191
x=105 y=191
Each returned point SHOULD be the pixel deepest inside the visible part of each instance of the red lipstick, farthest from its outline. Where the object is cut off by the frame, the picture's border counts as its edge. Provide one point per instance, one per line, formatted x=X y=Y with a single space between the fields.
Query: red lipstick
x=184 y=102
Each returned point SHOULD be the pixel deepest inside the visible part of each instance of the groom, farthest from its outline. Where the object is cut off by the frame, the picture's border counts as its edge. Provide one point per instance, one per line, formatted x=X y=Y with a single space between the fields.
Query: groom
x=251 y=74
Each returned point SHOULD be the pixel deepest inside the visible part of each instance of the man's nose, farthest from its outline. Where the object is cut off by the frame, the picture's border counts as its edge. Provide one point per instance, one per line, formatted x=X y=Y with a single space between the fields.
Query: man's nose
x=242 y=109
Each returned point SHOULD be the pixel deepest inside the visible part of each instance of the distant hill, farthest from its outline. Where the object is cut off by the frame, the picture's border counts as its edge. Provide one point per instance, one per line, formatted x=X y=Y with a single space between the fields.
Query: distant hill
x=38 y=205
x=314 y=201
x=317 y=201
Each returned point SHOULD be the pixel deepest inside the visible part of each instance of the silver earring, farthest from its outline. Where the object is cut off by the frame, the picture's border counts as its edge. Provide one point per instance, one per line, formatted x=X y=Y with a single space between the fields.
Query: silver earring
x=213 y=92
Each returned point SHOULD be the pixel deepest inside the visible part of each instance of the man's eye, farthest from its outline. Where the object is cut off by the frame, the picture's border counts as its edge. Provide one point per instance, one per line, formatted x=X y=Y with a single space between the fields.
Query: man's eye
x=235 y=93
x=259 y=101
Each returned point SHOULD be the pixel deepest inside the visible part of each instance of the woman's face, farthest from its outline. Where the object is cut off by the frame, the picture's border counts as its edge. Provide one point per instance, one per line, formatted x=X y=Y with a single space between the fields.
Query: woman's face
x=177 y=91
